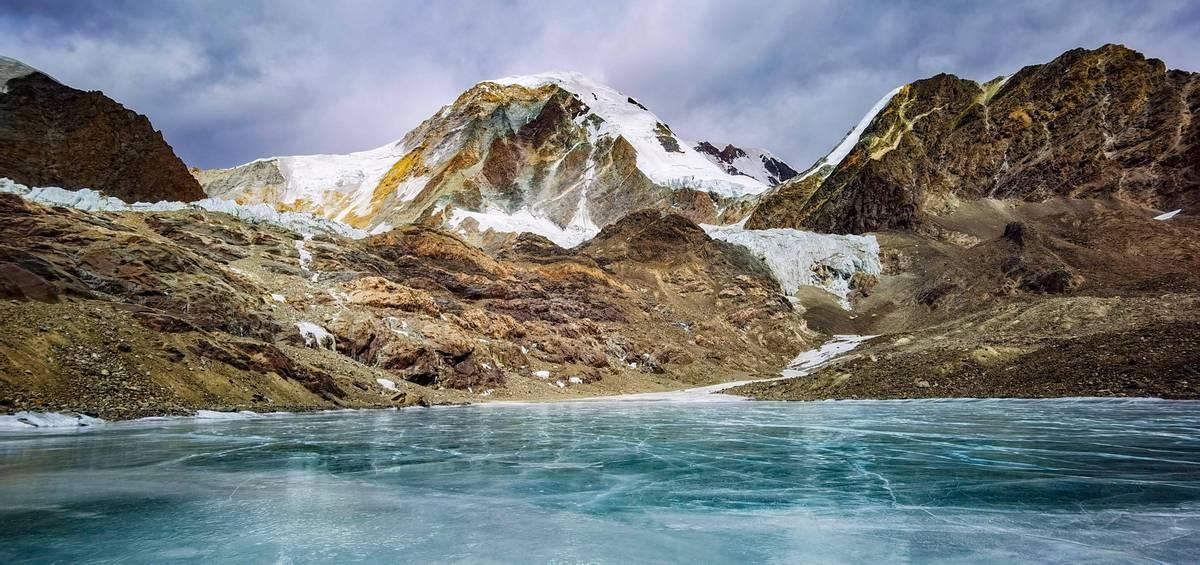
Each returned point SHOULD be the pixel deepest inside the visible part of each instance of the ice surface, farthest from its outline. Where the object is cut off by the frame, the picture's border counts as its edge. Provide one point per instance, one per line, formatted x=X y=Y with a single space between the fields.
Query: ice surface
x=800 y=258
x=24 y=421
x=1168 y=215
x=960 y=481
x=222 y=416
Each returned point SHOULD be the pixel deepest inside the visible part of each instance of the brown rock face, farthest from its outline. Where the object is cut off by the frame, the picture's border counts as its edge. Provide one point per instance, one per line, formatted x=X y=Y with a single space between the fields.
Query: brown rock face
x=1090 y=124
x=55 y=135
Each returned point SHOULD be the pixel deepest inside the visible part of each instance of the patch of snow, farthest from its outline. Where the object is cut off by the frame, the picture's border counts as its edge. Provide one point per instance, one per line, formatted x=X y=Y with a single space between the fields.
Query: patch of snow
x=575 y=380
x=809 y=360
x=316 y=336
x=560 y=384
x=303 y=252
x=800 y=258
x=542 y=374
x=387 y=383
x=524 y=221
x=26 y=421
x=278 y=298
x=847 y=144
x=1168 y=215
x=813 y=359
x=684 y=168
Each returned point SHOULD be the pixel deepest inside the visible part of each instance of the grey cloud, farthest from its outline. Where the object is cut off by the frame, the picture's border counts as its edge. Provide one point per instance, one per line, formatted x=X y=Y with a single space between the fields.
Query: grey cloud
x=230 y=82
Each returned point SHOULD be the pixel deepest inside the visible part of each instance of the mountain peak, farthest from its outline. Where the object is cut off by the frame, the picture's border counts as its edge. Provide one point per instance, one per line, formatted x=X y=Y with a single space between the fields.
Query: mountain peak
x=753 y=162
x=555 y=153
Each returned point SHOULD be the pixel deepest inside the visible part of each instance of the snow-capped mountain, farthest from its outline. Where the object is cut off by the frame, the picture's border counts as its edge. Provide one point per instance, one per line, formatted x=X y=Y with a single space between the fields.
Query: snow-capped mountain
x=758 y=164
x=556 y=154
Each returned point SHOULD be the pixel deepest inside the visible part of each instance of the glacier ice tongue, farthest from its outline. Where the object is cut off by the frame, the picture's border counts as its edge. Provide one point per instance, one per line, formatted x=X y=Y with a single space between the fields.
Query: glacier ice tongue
x=89 y=200
x=800 y=258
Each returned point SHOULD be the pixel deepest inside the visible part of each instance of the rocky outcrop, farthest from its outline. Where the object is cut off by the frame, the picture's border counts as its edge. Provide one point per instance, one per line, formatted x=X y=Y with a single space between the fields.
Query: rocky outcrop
x=1057 y=298
x=54 y=135
x=1090 y=124
x=189 y=309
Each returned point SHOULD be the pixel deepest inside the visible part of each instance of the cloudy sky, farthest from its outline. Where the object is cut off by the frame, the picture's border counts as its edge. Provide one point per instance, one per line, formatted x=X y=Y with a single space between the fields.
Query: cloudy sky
x=230 y=81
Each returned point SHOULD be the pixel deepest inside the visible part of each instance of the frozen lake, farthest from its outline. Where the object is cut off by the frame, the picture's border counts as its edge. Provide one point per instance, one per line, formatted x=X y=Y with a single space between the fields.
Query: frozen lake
x=620 y=482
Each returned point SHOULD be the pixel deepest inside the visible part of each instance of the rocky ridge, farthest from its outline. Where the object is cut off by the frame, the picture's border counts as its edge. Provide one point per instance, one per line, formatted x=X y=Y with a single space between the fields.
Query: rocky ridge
x=758 y=164
x=555 y=154
x=54 y=135
x=126 y=314
x=1107 y=122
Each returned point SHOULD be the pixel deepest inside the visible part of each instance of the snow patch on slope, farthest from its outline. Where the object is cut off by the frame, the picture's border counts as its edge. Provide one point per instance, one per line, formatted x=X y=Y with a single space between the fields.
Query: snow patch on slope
x=524 y=221
x=801 y=258
x=626 y=118
x=847 y=144
x=316 y=336
x=1168 y=215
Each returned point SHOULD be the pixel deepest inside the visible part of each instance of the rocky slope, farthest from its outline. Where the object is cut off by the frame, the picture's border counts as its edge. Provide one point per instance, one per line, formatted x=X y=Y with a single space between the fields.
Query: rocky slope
x=126 y=314
x=1102 y=123
x=555 y=154
x=54 y=135
x=758 y=164
x=1067 y=297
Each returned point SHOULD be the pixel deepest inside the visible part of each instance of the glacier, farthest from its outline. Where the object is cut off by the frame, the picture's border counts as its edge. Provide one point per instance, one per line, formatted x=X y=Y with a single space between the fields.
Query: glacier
x=90 y=200
x=800 y=258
